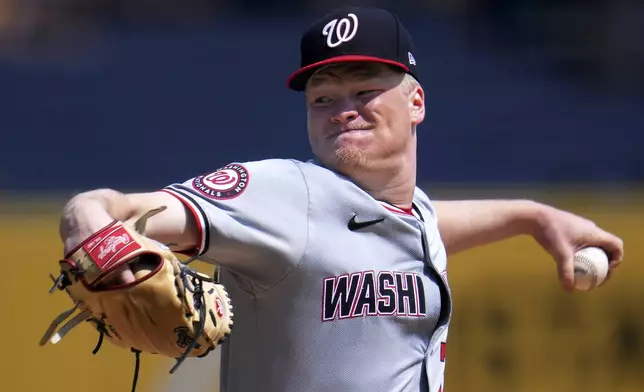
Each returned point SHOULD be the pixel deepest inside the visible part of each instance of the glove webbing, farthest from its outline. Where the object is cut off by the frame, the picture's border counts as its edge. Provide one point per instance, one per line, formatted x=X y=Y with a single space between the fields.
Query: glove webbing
x=61 y=282
x=197 y=294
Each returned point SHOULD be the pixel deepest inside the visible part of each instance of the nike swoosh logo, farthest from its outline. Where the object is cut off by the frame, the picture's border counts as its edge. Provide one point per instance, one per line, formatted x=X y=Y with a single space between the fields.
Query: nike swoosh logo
x=353 y=225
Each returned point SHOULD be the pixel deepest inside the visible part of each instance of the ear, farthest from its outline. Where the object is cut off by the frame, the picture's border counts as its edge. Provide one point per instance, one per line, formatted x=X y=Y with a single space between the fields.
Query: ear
x=417 y=105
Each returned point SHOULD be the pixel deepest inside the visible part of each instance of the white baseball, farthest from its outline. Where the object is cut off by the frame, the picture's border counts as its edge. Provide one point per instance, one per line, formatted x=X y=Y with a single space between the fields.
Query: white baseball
x=591 y=268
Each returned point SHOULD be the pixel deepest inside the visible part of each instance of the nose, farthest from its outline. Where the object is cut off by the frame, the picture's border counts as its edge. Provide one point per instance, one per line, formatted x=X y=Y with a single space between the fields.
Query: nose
x=345 y=116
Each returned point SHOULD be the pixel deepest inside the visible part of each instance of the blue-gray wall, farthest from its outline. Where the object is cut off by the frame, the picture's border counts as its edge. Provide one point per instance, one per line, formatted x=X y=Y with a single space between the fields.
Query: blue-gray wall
x=138 y=108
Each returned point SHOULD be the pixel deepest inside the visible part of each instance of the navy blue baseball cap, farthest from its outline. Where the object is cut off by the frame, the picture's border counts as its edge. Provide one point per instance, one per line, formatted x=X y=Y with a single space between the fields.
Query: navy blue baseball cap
x=354 y=34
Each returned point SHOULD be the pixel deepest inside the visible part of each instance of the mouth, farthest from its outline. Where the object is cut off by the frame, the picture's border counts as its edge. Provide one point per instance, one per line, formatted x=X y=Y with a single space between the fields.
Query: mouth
x=349 y=130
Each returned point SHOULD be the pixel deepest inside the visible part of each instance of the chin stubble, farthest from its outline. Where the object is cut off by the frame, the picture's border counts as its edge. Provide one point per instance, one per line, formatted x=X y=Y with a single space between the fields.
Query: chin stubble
x=351 y=157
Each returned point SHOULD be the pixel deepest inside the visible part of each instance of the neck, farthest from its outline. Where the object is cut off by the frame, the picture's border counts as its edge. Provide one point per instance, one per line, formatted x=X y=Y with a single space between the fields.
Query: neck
x=392 y=181
x=397 y=190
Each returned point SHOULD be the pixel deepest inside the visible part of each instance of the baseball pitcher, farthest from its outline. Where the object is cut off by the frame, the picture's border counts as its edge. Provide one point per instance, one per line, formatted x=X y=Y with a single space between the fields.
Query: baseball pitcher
x=335 y=267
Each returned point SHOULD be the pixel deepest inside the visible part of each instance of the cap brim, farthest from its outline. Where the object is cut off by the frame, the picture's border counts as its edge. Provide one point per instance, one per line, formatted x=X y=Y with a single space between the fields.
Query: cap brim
x=297 y=80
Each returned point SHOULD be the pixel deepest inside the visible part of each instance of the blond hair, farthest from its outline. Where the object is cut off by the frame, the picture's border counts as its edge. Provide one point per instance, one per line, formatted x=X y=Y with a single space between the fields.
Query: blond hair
x=360 y=71
x=409 y=84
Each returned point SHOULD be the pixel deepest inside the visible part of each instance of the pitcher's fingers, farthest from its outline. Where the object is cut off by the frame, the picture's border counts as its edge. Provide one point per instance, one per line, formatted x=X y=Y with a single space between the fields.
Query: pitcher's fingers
x=566 y=272
x=612 y=244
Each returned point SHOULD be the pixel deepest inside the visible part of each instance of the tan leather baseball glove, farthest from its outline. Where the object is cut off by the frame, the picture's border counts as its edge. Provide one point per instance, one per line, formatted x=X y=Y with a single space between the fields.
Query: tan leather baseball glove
x=169 y=309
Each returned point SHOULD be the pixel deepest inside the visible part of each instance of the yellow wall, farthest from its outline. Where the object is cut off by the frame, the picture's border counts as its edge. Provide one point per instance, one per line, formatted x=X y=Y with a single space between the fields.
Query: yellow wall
x=513 y=330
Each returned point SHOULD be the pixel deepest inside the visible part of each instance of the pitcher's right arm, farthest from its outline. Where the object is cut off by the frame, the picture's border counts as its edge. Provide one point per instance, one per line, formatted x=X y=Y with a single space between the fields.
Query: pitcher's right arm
x=87 y=212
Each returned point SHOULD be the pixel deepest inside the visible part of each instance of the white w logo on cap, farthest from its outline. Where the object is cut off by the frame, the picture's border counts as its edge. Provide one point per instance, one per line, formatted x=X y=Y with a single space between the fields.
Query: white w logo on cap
x=340 y=31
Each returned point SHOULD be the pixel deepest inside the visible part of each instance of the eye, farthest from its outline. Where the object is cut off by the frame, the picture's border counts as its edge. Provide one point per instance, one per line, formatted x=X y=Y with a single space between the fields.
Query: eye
x=324 y=100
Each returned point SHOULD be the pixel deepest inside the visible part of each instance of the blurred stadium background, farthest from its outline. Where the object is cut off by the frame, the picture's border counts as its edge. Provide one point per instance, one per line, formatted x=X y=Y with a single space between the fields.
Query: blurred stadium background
x=541 y=99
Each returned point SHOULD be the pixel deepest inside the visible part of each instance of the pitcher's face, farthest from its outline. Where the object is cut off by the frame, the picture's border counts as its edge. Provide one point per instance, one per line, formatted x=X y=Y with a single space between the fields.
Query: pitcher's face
x=361 y=113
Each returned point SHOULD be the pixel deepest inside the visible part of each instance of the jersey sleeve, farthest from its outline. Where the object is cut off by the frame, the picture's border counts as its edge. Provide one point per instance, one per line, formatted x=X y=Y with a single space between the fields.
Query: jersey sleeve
x=252 y=217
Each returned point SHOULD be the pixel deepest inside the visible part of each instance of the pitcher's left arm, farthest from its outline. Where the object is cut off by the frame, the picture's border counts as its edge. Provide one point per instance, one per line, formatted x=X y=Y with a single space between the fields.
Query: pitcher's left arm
x=466 y=224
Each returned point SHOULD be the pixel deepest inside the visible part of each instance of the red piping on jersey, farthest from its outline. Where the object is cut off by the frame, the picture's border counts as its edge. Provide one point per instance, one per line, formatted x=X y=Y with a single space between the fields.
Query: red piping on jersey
x=197 y=217
x=398 y=210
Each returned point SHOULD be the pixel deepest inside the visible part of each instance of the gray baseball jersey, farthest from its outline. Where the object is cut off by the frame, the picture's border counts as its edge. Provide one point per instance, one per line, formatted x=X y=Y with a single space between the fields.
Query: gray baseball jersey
x=332 y=290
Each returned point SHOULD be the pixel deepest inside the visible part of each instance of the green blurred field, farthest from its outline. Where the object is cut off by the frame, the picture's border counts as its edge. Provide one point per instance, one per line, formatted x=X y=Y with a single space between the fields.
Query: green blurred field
x=513 y=329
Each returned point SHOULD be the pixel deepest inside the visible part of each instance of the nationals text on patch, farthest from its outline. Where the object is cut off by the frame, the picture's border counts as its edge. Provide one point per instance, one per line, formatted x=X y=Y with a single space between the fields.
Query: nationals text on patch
x=225 y=183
